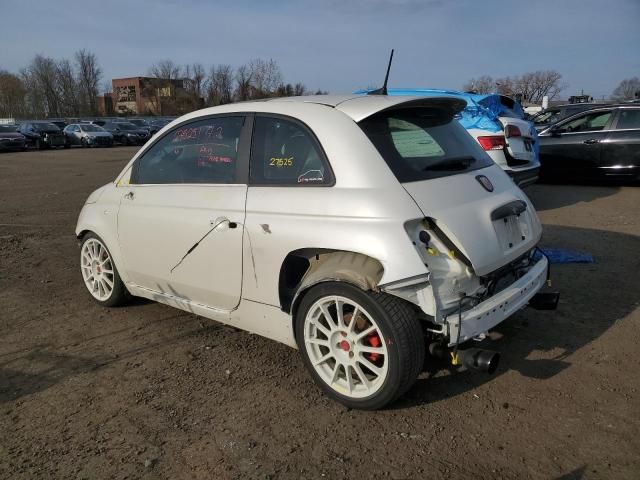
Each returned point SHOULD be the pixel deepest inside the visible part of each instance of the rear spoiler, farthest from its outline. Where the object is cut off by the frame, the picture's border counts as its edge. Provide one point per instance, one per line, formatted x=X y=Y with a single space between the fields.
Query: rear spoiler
x=359 y=110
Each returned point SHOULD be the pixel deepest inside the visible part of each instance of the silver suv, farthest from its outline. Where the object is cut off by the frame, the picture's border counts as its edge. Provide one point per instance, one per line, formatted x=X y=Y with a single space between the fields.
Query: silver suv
x=362 y=230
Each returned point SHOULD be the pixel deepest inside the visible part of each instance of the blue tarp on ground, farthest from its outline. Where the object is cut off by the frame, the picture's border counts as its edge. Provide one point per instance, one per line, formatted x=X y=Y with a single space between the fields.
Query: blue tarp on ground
x=561 y=255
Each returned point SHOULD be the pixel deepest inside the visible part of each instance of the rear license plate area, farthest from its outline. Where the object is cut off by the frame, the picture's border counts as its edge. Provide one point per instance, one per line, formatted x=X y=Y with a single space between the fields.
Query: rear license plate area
x=511 y=231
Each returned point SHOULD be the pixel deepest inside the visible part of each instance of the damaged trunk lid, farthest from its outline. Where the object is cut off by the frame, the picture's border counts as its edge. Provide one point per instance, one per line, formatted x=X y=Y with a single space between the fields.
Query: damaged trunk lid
x=468 y=200
x=490 y=228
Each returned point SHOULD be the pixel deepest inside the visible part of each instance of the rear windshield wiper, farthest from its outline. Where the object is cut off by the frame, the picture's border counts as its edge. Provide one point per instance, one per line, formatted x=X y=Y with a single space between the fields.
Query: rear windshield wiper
x=454 y=163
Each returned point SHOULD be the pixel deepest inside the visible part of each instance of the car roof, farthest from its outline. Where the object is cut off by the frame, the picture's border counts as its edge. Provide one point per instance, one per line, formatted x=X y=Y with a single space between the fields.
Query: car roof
x=358 y=107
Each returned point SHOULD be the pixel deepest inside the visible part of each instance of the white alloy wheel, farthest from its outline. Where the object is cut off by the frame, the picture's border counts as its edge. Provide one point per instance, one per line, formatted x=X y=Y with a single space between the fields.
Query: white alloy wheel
x=345 y=346
x=97 y=269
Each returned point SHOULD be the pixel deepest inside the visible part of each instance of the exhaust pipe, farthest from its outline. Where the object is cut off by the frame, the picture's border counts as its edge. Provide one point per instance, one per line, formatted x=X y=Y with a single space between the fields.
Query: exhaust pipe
x=545 y=300
x=473 y=358
x=479 y=359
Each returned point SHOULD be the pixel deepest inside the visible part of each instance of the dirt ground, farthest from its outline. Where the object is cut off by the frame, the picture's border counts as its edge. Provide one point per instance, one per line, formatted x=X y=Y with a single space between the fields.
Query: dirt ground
x=147 y=391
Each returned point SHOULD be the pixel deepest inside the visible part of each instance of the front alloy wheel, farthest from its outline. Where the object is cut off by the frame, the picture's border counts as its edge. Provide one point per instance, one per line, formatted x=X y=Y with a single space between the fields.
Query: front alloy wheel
x=99 y=272
x=364 y=349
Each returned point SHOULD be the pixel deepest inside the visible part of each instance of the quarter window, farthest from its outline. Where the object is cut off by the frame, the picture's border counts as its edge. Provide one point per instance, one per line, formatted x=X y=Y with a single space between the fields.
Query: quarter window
x=628 y=119
x=200 y=152
x=284 y=152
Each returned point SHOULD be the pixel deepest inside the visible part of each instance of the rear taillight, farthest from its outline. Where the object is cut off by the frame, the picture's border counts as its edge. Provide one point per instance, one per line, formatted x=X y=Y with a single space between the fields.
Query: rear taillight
x=512 y=131
x=493 y=142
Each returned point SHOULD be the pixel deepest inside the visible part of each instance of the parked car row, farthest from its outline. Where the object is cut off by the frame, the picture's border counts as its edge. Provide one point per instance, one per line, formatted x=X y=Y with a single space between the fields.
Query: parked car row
x=86 y=133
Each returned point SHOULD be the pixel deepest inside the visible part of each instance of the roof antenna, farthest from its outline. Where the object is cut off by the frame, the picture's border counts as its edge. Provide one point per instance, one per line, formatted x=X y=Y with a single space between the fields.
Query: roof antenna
x=383 y=90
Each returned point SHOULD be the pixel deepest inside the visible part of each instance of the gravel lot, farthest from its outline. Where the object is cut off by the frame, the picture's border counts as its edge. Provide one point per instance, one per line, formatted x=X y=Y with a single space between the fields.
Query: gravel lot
x=147 y=391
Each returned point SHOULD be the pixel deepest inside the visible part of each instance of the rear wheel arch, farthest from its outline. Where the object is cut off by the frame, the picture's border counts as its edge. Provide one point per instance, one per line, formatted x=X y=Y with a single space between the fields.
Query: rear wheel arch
x=305 y=268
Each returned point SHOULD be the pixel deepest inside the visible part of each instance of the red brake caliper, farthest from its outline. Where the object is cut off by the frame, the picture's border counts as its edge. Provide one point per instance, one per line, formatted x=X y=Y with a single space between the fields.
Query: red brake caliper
x=374 y=341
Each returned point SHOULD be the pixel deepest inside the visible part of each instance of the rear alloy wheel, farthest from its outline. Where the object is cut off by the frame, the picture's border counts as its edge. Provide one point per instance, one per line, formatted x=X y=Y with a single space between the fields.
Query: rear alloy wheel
x=100 y=274
x=364 y=349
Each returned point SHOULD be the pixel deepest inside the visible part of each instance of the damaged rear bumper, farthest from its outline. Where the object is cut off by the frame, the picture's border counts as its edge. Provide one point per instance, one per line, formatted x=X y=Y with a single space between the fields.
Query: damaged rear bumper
x=498 y=308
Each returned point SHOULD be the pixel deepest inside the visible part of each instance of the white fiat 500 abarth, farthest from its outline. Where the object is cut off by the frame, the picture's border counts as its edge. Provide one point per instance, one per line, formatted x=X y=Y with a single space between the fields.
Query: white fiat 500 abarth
x=361 y=230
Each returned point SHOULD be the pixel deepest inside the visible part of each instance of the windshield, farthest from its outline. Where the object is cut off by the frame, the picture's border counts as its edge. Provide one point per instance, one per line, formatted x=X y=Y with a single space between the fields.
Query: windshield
x=126 y=126
x=91 y=128
x=46 y=126
x=549 y=116
x=8 y=128
x=419 y=144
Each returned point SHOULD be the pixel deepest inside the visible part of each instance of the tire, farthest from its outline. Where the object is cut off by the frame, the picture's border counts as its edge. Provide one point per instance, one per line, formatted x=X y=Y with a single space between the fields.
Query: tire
x=38 y=144
x=95 y=260
x=84 y=143
x=335 y=358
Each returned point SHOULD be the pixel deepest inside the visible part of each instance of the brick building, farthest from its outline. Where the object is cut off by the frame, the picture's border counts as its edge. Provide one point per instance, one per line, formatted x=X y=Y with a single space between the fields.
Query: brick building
x=144 y=95
x=104 y=104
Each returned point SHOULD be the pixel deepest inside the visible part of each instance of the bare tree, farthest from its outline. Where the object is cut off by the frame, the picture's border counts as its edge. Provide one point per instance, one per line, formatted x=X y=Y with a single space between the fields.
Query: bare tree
x=532 y=85
x=627 y=89
x=41 y=79
x=482 y=84
x=107 y=87
x=220 y=85
x=535 y=85
x=166 y=70
x=160 y=90
x=194 y=83
x=243 y=83
x=88 y=78
x=265 y=77
x=12 y=95
x=299 y=89
x=68 y=89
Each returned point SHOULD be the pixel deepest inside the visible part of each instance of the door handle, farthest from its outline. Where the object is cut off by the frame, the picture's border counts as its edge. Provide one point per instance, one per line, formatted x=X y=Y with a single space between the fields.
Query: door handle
x=129 y=196
x=591 y=141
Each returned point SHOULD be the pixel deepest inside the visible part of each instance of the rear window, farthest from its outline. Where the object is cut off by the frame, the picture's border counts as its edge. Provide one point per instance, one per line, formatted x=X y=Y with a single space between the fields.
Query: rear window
x=46 y=126
x=419 y=144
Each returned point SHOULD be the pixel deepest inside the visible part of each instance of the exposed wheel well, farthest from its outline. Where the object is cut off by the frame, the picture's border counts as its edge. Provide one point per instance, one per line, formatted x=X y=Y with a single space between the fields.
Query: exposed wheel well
x=307 y=267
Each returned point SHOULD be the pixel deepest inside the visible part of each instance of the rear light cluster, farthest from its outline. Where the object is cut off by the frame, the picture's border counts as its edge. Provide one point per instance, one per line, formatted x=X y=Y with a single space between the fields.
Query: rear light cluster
x=493 y=142
x=512 y=131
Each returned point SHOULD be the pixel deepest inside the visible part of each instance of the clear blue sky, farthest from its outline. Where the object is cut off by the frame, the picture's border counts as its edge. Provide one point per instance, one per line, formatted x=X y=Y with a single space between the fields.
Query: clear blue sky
x=340 y=45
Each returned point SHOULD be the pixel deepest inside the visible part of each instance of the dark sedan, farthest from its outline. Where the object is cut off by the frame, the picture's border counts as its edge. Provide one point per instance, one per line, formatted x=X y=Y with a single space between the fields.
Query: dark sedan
x=10 y=139
x=127 y=133
x=602 y=143
x=42 y=134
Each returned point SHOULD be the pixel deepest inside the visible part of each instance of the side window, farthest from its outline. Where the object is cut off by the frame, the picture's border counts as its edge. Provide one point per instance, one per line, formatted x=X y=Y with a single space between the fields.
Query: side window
x=590 y=122
x=285 y=153
x=628 y=119
x=200 y=152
